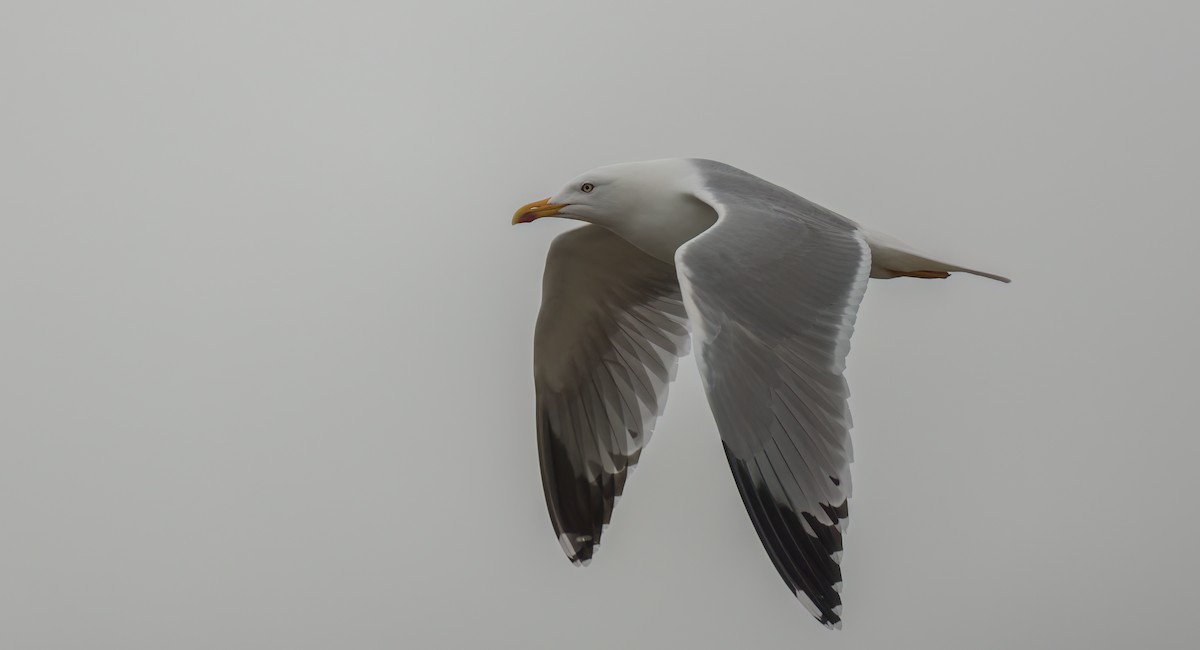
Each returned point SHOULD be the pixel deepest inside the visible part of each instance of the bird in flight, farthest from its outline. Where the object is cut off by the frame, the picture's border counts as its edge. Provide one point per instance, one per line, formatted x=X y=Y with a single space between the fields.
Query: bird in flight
x=765 y=285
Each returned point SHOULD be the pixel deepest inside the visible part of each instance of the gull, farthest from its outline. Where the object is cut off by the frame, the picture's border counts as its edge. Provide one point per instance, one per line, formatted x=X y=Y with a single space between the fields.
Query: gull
x=765 y=286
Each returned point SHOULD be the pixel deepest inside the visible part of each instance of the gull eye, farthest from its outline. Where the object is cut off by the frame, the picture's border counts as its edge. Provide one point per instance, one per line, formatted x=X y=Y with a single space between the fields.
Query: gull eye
x=586 y=187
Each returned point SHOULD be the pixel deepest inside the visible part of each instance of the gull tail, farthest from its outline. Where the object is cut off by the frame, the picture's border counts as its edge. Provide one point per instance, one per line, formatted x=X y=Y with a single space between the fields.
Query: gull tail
x=891 y=258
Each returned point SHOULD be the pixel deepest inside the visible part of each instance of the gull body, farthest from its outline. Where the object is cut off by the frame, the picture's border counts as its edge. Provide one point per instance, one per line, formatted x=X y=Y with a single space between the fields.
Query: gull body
x=765 y=286
x=656 y=205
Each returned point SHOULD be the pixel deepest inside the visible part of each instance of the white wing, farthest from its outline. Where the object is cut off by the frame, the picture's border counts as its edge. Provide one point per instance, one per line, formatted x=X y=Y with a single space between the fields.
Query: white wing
x=609 y=335
x=772 y=289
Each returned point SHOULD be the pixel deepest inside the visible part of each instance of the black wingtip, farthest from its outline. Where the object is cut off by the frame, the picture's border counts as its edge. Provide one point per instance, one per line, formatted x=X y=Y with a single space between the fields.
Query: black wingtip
x=580 y=548
x=831 y=619
x=804 y=550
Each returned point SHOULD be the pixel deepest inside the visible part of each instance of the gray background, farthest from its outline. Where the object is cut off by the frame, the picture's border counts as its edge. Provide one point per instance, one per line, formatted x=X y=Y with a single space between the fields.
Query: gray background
x=265 y=329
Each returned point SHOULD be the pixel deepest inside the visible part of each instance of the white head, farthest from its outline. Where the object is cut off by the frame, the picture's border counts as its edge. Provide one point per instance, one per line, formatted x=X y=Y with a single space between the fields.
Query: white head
x=614 y=194
x=652 y=204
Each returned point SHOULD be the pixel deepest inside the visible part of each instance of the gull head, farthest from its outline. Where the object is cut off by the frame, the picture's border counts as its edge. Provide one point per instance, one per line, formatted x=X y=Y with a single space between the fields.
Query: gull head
x=614 y=194
x=652 y=204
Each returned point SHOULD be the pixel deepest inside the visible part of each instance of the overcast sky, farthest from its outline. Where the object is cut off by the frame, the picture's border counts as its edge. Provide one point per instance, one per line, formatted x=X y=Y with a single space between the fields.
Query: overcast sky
x=265 y=329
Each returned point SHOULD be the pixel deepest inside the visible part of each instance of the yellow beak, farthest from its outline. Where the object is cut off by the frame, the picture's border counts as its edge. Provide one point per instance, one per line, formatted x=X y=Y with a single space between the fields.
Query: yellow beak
x=536 y=210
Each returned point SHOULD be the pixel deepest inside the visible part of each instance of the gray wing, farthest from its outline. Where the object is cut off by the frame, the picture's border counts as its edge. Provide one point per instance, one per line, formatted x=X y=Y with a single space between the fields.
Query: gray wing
x=609 y=336
x=772 y=289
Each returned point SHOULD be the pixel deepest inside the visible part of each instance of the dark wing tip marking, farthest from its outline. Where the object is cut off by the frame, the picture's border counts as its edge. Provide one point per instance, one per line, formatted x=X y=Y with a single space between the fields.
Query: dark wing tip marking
x=580 y=549
x=807 y=561
x=580 y=508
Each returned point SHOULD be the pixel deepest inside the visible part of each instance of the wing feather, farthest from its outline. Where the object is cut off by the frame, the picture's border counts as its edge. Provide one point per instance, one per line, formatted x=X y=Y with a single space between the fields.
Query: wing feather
x=609 y=336
x=772 y=289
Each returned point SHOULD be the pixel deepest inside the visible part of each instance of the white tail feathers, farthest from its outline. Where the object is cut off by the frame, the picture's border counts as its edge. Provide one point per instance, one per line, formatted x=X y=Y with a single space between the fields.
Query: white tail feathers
x=891 y=258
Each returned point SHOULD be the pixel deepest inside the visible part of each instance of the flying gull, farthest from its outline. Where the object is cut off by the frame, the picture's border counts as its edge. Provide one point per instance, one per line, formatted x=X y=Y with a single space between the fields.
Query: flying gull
x=765 y=285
